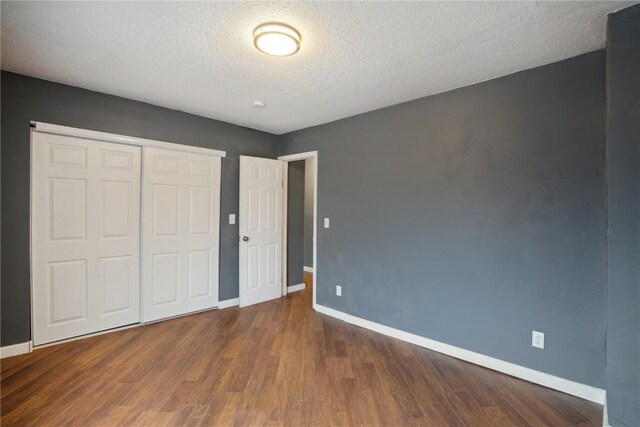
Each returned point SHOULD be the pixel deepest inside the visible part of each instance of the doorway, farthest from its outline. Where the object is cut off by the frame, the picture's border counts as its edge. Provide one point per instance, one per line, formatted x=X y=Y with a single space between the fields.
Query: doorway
x=300 y=207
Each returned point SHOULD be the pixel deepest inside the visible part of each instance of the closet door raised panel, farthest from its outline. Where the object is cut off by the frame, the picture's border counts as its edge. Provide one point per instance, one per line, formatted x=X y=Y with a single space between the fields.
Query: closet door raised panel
x=180 y=232
x=203 y=228
x=119 y=235
x=85 y=238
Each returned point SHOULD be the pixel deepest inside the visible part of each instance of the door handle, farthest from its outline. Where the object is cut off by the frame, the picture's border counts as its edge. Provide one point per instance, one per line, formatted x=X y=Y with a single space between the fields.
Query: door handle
x=245 y=238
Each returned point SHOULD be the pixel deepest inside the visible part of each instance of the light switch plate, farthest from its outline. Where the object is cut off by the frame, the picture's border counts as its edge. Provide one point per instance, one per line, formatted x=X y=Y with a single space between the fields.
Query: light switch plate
x=339 y=290
x=232 y=218
x=326 y=223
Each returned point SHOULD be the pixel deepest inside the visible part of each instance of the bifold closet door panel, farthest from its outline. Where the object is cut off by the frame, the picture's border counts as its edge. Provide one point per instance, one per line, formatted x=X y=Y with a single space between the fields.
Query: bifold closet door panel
x=181 y=221
x=85 y=236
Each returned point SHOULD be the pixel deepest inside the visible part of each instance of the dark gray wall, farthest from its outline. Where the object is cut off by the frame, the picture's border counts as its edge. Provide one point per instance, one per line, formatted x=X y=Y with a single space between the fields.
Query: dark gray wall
x=474 y=216
x=295 y=223
x=623 y=237
x=308 y=212
x=25 y=99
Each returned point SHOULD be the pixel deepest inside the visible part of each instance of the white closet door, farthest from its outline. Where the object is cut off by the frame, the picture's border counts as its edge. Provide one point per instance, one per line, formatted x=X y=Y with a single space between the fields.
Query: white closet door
x=85 y=236
x=260 y=251
x=181 y=221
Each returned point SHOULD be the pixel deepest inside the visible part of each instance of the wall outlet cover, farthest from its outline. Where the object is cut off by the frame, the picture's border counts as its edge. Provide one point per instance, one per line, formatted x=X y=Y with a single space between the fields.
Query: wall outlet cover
x=537 y=339
x=326 y=223
x=232 y=218
x=339 y=290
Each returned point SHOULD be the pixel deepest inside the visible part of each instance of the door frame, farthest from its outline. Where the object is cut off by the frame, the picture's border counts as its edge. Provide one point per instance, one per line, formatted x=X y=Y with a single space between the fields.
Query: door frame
x=43 y=127
x=309 y=155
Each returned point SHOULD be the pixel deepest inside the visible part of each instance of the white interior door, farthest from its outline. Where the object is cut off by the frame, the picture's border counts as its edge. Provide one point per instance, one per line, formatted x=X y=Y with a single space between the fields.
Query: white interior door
x=181 y=222
x=85 y=236
x=260 y=230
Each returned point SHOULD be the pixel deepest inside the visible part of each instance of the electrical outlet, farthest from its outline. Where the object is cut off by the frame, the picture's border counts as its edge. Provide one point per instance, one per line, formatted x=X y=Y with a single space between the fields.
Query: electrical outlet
x=232 y=218
x=339 y=290
x=326 y=223
x=537 y=339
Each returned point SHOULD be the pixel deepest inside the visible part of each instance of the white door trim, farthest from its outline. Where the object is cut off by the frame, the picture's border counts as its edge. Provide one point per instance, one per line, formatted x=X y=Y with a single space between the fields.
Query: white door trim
x=291 y=158
x=122 y=139
x=285 y=241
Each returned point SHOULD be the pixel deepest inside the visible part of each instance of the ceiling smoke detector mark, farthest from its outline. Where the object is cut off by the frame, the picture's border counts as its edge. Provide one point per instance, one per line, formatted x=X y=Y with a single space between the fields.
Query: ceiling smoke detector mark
x=259 y=104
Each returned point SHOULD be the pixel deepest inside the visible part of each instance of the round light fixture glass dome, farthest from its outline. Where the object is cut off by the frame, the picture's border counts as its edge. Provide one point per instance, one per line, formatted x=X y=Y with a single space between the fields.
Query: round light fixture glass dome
x=276 y=39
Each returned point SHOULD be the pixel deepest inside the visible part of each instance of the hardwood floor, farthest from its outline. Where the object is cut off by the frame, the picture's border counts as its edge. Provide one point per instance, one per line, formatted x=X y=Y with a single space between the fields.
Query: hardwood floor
x=277 y=363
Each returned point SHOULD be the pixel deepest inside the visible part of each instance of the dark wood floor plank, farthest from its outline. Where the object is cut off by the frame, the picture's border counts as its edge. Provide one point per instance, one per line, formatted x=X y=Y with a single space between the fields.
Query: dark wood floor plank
x=272 y=364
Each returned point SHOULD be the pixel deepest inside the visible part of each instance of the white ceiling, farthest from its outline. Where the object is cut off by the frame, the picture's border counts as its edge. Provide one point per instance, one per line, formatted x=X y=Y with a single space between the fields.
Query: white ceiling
x=199 y=57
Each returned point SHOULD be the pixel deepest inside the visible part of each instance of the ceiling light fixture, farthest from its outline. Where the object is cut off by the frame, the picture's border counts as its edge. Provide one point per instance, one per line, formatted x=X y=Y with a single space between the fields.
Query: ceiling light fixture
x=276 y=39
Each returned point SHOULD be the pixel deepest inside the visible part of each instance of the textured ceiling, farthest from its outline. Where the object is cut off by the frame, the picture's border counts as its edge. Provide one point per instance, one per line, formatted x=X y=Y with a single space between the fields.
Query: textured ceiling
x=199 y=57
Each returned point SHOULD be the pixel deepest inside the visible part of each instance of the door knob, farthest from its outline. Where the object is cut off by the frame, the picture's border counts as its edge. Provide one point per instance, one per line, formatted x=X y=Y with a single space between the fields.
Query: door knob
x=245 y=238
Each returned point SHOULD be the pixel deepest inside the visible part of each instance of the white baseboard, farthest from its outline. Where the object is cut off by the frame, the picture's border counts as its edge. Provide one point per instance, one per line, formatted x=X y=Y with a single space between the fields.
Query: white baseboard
x=308 y=269
x=228 y=303
x=295 y=288
x=605 y=413
x=566 y=386
x=16 y=349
